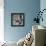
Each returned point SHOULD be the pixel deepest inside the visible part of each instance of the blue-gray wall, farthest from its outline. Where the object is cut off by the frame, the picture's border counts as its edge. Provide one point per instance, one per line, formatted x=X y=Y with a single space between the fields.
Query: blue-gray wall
x=29 y=7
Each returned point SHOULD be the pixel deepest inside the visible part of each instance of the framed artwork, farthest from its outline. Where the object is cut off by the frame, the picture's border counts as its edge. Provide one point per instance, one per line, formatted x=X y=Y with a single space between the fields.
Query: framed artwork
x=17 y=19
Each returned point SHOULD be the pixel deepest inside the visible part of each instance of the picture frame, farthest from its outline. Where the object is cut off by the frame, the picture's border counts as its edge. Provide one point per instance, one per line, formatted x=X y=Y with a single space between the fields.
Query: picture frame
x=17 y=19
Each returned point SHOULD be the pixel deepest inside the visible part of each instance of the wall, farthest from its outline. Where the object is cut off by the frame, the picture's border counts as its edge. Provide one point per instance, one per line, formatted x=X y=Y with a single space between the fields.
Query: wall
x=29 y=7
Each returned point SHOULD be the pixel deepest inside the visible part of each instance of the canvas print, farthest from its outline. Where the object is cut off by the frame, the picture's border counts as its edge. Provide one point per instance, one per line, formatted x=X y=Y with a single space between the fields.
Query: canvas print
x=17 y=19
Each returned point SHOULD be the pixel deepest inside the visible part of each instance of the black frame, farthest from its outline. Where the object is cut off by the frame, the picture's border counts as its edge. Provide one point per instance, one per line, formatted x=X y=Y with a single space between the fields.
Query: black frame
x=20 y=14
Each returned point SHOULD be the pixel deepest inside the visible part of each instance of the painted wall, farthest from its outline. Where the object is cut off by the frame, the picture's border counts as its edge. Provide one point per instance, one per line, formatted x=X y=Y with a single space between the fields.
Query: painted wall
x=29 y=7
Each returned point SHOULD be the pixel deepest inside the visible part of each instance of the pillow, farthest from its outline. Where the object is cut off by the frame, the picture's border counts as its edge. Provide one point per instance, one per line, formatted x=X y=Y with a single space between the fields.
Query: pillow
x=21 y=42
x=28 y=39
